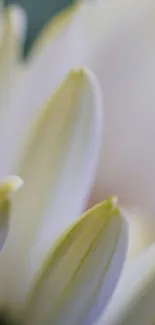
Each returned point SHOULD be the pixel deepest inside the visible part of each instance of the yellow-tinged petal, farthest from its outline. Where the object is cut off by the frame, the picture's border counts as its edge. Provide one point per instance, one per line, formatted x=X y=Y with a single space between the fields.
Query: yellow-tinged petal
x=57 y=50
x=81 y=272
x=53 y=28
x=13 y=19
x=133 y=300
x=141 y=232
x=10 y=185
x=10 y=55
x=58 y=169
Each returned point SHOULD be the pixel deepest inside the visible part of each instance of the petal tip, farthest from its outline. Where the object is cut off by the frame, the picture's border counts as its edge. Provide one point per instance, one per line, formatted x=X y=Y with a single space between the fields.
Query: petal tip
x=19 y=19
x=11 y=184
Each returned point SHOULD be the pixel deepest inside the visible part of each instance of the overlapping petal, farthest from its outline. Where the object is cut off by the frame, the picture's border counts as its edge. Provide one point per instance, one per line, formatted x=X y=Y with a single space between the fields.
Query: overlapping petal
x=116 y=40
x=120 y=37
x=8 y=187
x=57 y=50
x=133 y=301
x=82 y=270
x=58 y=169
x=13 y=32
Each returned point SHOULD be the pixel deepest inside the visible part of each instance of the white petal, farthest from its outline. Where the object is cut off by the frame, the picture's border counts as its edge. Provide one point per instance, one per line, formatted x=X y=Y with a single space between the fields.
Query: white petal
x=19 y=21
x=55 y=51
x=58 y=169
x=11 y=184
x=7 y=187
x=81 y=272
x=58 y=49
x=133 y=300
x=10 y=53
x=122 y=54
x=141 y=232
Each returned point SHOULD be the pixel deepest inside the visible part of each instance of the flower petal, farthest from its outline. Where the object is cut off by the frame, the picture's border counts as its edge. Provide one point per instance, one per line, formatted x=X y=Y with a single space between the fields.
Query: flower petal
x=10 y=51
x=41 y=74
x=141 y=232
x=120 y=37
x=10 y=55
x=58 y=169
x=133 y=300
x=19 y=23
x=57 y=50
x=81 y=272
x=7 y=187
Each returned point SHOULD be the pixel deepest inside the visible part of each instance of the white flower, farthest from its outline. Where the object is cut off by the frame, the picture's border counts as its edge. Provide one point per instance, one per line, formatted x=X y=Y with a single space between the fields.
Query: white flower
x=53 y=143
x=54 y=146
x=54 y=267
x=133 y=300
x=121 y=51
x=116 y=40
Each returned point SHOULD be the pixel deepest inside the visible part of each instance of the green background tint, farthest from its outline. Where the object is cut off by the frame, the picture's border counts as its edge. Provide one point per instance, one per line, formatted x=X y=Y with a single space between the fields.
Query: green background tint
x=39 y=11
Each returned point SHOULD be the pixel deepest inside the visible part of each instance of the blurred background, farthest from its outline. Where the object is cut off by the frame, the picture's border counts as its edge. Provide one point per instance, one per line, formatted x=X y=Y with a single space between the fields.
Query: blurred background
x=39 y=11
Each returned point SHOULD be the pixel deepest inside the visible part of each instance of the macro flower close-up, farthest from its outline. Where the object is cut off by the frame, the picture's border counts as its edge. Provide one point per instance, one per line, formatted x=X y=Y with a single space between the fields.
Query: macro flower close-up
x=77 y=125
